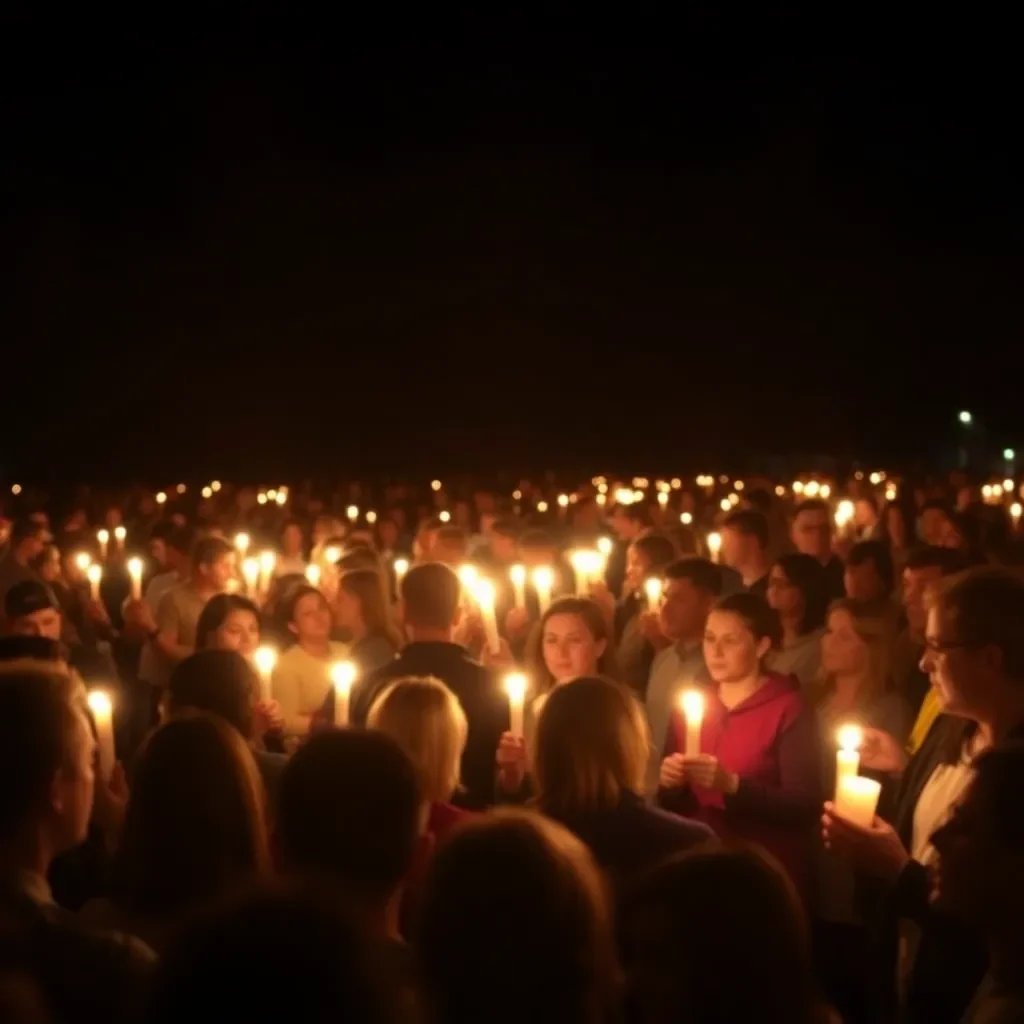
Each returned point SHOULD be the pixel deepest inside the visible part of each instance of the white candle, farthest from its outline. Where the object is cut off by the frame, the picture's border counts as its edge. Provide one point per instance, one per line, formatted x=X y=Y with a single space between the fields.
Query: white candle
x=313 y=575
x=653 y=590
x=581 y=569
x=103 y=536
x=543 y=581
x=83 y=561
x=515 y=687
x=714 y=545
x=135 y=572
x=517 y=574
x=266 y=659
x=267 y=562
x=850 y=738
x=692 y=703
x=467 y=577
x=401 y=567
x=242 y=544
x=103 y=716
x=343 y=675
x=352 y=512
x=484 y=594
x=857 y=799
x=251 y=575
x=94 y=574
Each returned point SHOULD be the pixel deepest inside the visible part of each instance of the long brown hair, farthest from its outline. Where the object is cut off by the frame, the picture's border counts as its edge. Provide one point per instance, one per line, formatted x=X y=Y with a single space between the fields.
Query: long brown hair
x=597 y=625
x=370 y=589
x=875 y=631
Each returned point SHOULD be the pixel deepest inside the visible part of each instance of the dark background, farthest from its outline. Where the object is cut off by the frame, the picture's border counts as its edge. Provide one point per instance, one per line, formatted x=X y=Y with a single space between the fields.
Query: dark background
x=255 y=243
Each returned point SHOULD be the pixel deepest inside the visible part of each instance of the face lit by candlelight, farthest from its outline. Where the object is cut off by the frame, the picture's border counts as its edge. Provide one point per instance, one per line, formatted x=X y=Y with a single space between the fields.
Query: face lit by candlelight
x=219 y=571
x=843 y=652
x=240 y=631
x=45 y=623
x=637 y=567
x=311 y=619
x=731 y=651
x=964 y=676
x=570 y=649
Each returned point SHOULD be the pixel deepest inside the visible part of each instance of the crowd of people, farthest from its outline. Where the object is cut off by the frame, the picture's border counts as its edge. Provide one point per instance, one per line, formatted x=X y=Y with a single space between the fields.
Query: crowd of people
x=470 y=755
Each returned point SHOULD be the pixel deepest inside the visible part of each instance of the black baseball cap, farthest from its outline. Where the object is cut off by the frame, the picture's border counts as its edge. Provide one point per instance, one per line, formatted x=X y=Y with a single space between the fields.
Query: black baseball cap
x=27 y=597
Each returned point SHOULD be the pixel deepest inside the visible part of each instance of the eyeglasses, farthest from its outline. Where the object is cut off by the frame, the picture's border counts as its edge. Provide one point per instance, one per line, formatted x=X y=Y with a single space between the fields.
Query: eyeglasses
x=933 y=646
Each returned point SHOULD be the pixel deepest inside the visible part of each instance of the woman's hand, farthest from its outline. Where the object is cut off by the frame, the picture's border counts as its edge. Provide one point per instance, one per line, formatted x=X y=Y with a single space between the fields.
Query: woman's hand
x=97 y=612
x=511 y=761
x=706 y=771
x=880 y=752
x=672 y=775
x=877 y=850
x=267 y=717
x=649 y=625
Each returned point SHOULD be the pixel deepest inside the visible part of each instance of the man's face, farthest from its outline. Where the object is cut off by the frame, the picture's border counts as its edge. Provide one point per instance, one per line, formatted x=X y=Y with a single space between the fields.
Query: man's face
x=733 y=547
x=684 y=610
x=812 y=534
x=220 y=571
x=915 y=583
x=45 y=623
x=863 y=583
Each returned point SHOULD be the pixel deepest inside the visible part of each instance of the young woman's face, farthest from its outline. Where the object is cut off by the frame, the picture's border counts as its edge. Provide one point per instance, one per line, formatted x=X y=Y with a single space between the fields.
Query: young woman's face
x=785 y=597
x=731 y=651
x=570 y=649
x=637 y=565
x=240 y=631
x=312 y=619
x=843 y=652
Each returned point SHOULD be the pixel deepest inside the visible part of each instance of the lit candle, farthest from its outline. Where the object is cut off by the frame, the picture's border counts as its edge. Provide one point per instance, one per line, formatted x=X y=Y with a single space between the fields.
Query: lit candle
x=401 y=567
x=483 y=591
x=714 y=541
x=352 y=512
x=1015 y=511
x=857 y=799
x=515 y=687
x=653 y=588
x=343 y=675
x=581 y=566
x=251 y=575
x=267 y=562
x=119 y=535
x=94 y=574
x=266 y=659
x=517 y=574
x=850 y=738
x=242 y=544
x=103 y=716
x=83 y=561
x=467 y=577
x=103 y=536
x=692 y=703
x=543 y=581
x=135 y=572
x=332 y=553
x=313 y=574
x=604 y=545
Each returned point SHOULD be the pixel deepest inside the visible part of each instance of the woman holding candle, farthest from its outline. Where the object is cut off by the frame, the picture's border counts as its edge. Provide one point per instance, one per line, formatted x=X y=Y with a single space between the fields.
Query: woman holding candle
x=974 y=655
x=759 y=773
x=589 y=763
x=363 y=611
x=229 y=622
x=301 y=678
x=798 y=592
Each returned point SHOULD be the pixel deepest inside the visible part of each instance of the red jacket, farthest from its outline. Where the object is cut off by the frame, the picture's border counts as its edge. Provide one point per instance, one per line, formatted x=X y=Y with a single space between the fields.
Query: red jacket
x=771 y=742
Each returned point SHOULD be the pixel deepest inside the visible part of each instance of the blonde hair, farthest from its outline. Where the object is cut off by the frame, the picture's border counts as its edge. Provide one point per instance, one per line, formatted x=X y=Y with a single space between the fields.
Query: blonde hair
x=875 y=630
x=426 y=720
x=590 y=746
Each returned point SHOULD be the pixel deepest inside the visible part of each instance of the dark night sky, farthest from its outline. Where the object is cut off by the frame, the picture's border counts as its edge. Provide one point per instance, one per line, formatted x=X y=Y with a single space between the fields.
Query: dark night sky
x=254 y=241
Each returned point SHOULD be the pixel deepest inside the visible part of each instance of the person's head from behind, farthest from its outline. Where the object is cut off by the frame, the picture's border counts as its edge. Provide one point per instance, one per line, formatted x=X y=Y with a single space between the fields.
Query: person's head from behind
x=358 y=557
x=590 y=749
x=857 y=644
x=974 y=644
x=631 y=521
x=811 y=531
x=706 y=908
x=868 y=575
x=362 y=605
x=925 y=566
x=647 y=556
x=426 y=720
x=46 y=759
x=744 y=538
x=515 y=902
x=537 y=549
x=219 y=681
x=350 y=810
x=213 y=563
x=31 y=609
x=980 y=847
x=690 y=589
x=195 y=819
x=740 y=631
x=307 y=616
x=572 y=641
x=798 y=591
x=314 y=937
x=451 y=545
x=229 y=622
x=504 y=541
x=28 y=539
x=430 y=601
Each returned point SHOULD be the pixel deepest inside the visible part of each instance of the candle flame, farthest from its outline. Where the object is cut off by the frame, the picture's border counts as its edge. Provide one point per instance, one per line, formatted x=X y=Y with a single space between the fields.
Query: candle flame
x=100 y=703
x=714 y=542
x=242 y=542
x=266 y=659
x=515 y=687
x=653 y=589
x=103 y=536
x=135 y=568
x=94 y=573
x=517 y=573
x=483 y=592
x=120 y=533
x=543 y=578
x=401 y=567
x=83 y=561
x=313 y=575
x=268 y=560
x=692 y=703
x=850 y=737
x=343 y=675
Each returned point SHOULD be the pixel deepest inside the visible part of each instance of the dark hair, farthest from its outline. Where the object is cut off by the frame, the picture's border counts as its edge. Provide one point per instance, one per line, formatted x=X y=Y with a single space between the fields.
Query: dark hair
x=208 y=550
x=430 y=595
x=291 y=601
x=36 y=648
x=750 y=523
x=25 y=528
x=163 y=530
x=878 y=552
x=929 y=556
x=808 y=575
x=358 y=558
x=349 y=810
x=182 y=539
x=657 y=548
x=216 y=610
x=812 y=505
x=755 y=613
x=221 y=682
x=1000 y=773
x=701 y=572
